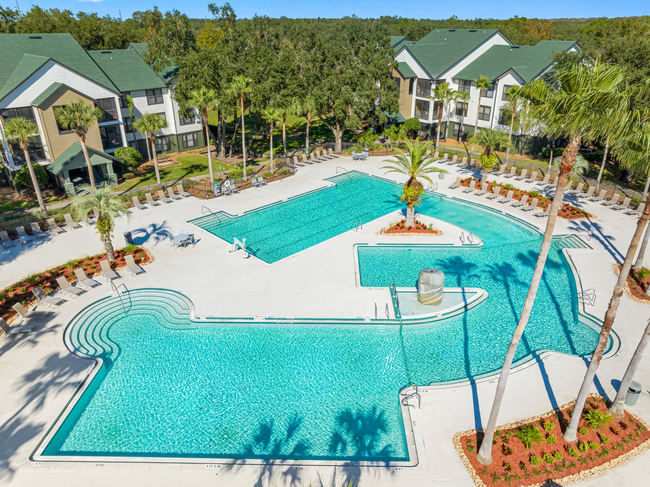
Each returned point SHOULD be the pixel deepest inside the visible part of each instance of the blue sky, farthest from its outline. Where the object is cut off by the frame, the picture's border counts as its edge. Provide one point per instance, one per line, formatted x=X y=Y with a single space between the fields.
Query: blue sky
x=363 y=8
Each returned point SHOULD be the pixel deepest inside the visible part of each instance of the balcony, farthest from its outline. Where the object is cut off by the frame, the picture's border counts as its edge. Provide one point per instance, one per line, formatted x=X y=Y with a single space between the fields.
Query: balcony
x=111 y=137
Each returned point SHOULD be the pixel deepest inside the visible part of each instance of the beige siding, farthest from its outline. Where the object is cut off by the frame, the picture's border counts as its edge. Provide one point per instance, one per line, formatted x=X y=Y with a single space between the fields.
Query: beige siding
x=57 y=143
x=405 y=100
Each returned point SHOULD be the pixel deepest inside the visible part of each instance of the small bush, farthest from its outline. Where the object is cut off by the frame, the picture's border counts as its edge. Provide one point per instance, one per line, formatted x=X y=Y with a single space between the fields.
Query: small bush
x=558 y=455
x=471 y=449
x=548 y=425
x=130 y=249
x=583 y=446
x=573 y=452
x=583 y=431
x=128 y=175
x=267 y=174
x=604 y=439
x=283 y=172
x=551 y=439
x=535 y=460
x=549 y=459
x=597 y=419
x=506 y=450
x=593 y=446
x=507 y=467
x=529 y=436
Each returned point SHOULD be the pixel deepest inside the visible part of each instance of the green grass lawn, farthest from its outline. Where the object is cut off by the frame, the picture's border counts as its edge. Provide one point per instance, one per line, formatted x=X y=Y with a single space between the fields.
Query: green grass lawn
x=24 y=205
x=192 y=165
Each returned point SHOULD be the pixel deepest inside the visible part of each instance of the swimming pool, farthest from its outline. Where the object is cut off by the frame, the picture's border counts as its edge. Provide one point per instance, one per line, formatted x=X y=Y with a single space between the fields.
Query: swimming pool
x=172 y=386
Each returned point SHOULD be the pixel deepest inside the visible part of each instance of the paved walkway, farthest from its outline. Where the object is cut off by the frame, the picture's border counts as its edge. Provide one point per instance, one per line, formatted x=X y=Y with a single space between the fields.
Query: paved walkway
x=39 y=375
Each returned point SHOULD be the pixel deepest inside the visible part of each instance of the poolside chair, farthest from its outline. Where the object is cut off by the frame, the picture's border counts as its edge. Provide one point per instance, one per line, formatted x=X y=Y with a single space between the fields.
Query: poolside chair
x=319 y=157
x=233 y=186
x=532 y=206
x=150 y=200
x=333 y=155
x=67 y=288
x=295 y=161
x=623 y=206
x=600 y=197
x=521 y=202
x=225 y=189
x=108 y=273
x=640 y=209
x=254 y=182
x=613 y=200
x=507 y=198
x=217 y=190
x=532 y=178
x=163 y=198
x=512 y=173
x=543 y=213
x=589 y=193
x=182 y=192
x=131 y=266
x=453 y=161
x=70 y=223
x=326 y=155
x=83 y=280
x=313 y=158
x=53 y=227
x=464 y=161
x=501 y=170
x=544 y=181
x=36 y=230
x=44 y=299
x=261 y=181
x=496 y=191
x=305 y=159
x=172 y=195
x=435 y=155
x=22 y=235
x=522 y=176
x=471 y=187
x=6 y=241
x=554 y=183
x=137 y=204
x=576 y=191
x=28 y=319
x=481 y=192
x=456 y=183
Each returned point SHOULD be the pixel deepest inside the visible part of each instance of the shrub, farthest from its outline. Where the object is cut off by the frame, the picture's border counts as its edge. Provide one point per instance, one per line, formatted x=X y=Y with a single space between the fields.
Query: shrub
x=130 y=249
x=412 y=125
x=583 y=431
x=3 y=297
x=583 y=446
x=535 y=460
x=558 y=455
x=573 y=452
x=529 y=436
x=31 y=279
x=551 y=439
x=471 y=449
x=128 y=175
x=24 y=179
x=548 y=425
x=267 y=174
x=593 y=446
x=549 y=459
x=597 y=419
x=129 y=156
x=283 y=172
x=604 y=439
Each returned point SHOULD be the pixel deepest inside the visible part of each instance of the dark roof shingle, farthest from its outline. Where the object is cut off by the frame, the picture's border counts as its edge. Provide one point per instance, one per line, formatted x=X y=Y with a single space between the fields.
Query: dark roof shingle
x=126 y=69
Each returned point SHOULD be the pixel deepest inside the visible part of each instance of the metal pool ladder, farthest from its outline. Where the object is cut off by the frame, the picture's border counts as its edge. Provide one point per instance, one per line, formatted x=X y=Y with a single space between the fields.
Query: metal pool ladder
x=469 y=238
x=358 y=225
x=117 y=293
x=205 y=209
x=408 y=395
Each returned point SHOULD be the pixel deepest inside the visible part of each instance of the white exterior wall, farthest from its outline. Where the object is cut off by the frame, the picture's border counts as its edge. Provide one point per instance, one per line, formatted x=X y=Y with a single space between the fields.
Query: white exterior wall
x=184 y=129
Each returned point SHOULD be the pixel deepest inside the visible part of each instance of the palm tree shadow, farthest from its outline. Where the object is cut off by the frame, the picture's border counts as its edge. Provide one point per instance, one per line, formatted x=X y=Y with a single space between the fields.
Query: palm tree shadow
x=596 y=230
x=153 y=234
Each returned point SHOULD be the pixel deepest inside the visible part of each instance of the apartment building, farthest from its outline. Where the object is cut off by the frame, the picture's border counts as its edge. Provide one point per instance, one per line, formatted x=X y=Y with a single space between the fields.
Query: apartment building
x=458 y=57
x=41 y=72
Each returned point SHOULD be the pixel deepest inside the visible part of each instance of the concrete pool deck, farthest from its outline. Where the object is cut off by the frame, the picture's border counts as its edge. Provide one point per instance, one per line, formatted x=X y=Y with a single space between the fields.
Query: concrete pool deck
x=39 y=375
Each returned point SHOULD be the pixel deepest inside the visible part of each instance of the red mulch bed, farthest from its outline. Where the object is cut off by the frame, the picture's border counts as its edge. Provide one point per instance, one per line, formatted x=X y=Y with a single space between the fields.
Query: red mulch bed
x=401 y=228
x=638 y=282
x=21 y=292
x=568 y=212
x=514 y=465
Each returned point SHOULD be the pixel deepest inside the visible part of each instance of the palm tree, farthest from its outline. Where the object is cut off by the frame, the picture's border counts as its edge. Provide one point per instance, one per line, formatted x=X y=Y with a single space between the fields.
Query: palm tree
x=149 y=124
x=513 y=95
x=80 y=117
x=489 y=139
x=306 y=107
x=416 y=164
x=452 y=98
x=203 y=100
x=21 y=130
x=441 y=92
x=240 y=85
x=570 y=107
x=273 y=116
x=108 y=207
x=482 y=83
x=463 y=97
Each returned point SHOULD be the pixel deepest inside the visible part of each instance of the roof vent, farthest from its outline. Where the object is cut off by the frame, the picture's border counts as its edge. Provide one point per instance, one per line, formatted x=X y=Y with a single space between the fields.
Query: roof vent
x=106 y=52
x=452 y=30
x=472 y=30
x=35 y=37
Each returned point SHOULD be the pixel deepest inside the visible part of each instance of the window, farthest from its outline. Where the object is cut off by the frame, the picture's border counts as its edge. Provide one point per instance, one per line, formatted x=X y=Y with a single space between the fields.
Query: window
x=189 y=120
x=134 y=144
x=489 y=93
x=190 y=140
x=111 y=136
x=484 y=113
x=422 y=109
x=504 y=117
x=162 y=144
x=58 y=126
x=461 y=109
x=110 y=111
x=411 y=83
x=123 y=102
x=457 y=131
x=35 y=149
x=27 y=113
x=464 y=85
x=436 y=107
x=154 y=97
x=128 y=125
x=162 y=115
x=504 y=95
x=423 y=88
x=398 y=83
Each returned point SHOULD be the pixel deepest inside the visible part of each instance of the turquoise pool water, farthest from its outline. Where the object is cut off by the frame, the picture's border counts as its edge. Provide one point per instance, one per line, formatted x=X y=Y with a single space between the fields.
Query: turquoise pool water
x=177 y=388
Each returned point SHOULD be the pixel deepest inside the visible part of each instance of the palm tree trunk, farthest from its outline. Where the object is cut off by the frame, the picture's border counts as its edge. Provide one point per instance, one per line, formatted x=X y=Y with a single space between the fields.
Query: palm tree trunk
x=243 y=134
x=602 y=165
x=447 y=124
x=410 y=216
x=550 y=161
x=512 y=122
x=271 y=141
x=439 y=124
x=480 y=95
x=37 y=188
x=485 y=453
x=284 y=134
x=647 y=186
x=222 y=135
x=617 y=409
x=207 y=139
x=461 y=134
x=108 y=246
x=638 y=265
x=234 y=133
x=146 y=144
x=89 y=166
x=308 y=122
x=155 y=161
x=570 y=434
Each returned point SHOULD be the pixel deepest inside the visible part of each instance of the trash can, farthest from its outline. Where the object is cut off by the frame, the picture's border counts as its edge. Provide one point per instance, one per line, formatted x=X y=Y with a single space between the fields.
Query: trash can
x=128 y=238
x=441 y=175
x=633 y=393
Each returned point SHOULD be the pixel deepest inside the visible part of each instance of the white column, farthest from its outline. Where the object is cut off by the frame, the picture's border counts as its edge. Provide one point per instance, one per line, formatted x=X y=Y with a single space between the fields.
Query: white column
x=40 y=134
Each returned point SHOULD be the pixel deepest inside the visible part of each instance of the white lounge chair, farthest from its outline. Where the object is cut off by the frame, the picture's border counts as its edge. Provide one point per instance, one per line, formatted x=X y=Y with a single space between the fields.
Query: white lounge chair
x=496 y=191
x=522 y=176
x=512 y=173
x=163 y=198
x=456 y=183
x=53 y=228
x=532 y=206
x=131 y=266
x=532 y=178
x=28 y=319
x=70 y=223
x=640 y=209
x=544 y=181
x=233 y=186
x=521 y=202
x=589 y=193
x=501 y=171
x=181 y=191
x=84 y=281
x=614 y=200
x=482 y=191
x=36 y=230
x=623 y=206
x=22 y=235
x=108 y=273
x=332 y=153
x=543 y=213
x=554 y=183
x=576 y=191
x=66 y=288
x=6 y=241
x=172 y=195
x=295 y=161
x=137 y=204
x=471 y=187
x=44 y=299
x=600 y=197
x=507 y=198
x=150 y=200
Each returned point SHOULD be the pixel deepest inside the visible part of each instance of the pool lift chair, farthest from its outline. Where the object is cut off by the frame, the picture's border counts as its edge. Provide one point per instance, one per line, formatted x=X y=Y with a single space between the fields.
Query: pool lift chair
x=237 y=244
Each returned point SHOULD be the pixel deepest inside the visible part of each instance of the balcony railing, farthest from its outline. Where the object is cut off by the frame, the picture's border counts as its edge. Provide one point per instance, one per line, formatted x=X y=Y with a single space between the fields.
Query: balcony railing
x=422 y=114
x=109 y=116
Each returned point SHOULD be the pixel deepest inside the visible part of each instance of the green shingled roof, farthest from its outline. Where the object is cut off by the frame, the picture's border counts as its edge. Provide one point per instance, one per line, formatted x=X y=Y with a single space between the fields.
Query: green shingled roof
x=395 y=40
x=73 y=158
x=38 y=101
x=167 y=74
x=527 y=61
x=23 y=54
x=406 y=71
x=126 y=70
x=441 y=49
